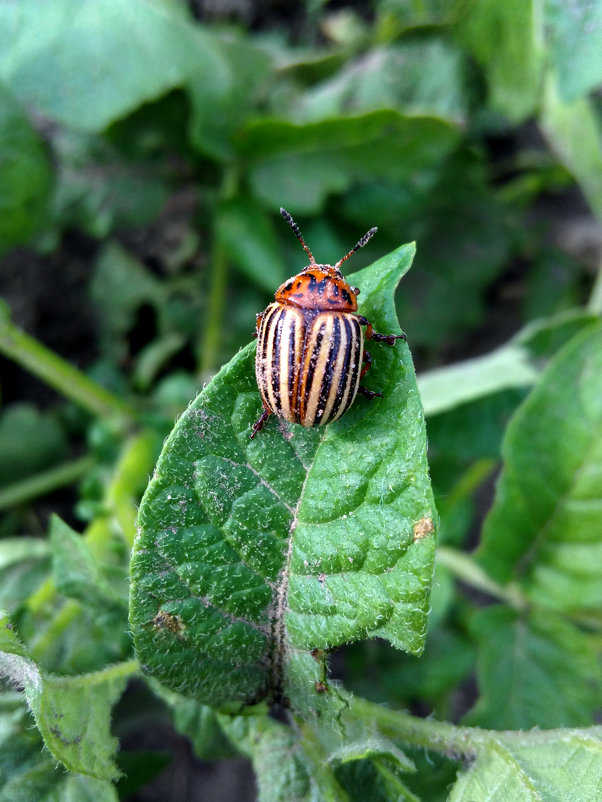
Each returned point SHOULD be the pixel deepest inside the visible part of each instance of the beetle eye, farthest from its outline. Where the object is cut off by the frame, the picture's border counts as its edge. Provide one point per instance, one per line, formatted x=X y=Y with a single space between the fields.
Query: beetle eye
x=355 y=290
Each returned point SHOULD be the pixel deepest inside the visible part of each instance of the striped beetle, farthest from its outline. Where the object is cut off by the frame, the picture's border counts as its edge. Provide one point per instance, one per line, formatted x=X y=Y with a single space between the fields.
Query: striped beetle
x=310 y=344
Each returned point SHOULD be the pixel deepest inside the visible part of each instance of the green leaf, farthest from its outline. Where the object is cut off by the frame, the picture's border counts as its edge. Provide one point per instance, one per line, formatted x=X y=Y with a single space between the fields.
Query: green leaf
x=573 y=34
x=253 y=553
x=98 y=190
x=534 y=671
x=502 y=37
x=247 y=236
x=445 y=388
x=375 y=780
x=81 y=788
x=86 y=63
x=76 y=572
x=391 y=78
x=216 y=115
x=456 y=261
x=73 y=714
x=24 y=563
x=120 y=285
x=203 y=726
x=25 y=177
x=302 y=164
x=544 y=525
x=574 y=131
x=28 y=772
x=288 y=768
x=527 y=767
x=24 y=424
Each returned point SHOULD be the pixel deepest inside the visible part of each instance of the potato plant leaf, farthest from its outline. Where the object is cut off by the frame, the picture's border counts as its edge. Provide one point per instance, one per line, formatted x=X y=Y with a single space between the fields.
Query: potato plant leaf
x=73 y=713
x=555 y=765
x=253 y=553
x=544 y=526
x=534 y=670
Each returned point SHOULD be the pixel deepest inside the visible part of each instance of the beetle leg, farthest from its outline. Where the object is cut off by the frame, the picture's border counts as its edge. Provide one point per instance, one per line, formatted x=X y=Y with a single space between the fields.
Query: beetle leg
x=260 y=422
x=367 y=358
x=369 y=394
x=388 y=339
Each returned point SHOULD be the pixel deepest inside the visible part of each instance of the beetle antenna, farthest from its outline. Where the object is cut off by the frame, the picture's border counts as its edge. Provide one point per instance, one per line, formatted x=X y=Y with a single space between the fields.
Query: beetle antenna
x=297 y=233
x=368 y=235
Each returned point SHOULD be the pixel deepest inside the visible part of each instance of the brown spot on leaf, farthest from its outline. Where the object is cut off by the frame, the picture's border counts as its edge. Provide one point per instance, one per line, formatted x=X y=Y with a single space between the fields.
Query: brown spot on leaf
x=168 y=621
x=423 y=527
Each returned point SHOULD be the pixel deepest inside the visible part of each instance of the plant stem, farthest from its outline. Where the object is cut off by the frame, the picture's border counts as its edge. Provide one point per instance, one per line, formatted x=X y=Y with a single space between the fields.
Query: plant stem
x=438 y=736
x=58 y=373
x=464 y=567
x=112 y=671
x=44 y=482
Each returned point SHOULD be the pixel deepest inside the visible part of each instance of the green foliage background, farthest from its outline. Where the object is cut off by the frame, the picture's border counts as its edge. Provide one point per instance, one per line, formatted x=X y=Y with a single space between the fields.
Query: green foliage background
x=145 y=147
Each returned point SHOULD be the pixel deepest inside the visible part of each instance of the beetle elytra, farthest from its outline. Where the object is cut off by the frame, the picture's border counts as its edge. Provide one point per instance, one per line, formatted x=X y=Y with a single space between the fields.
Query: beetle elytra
x=310 y=344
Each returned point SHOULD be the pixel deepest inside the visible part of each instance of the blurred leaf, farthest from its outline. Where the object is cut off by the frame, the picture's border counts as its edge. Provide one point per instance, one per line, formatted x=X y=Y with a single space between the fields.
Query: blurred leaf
x=573 y=33
x=30 y=441
x=120 y=285
x=574 y=132
x=25 y=174
x=473 y=430
x=503 y=38
x=375 y=671
x=398 y=16
x=216 y=115
x=76 y=572
x=553 y=285
x=98 y=189
x=464 y=237
x=544 y=337
x=286 y=770
x=545 y=522
x=524 y=767
x=391 y=77
x=247 y=235
x=82 y=788
x=299 y=165
x=138 y=769
x=375 y=780
x=199 y=723
x=72 y=713
x=446 y=388
x=152 y=358
x=24 y=563
x=534 y=670
x=28 y=772
x=216 y=520
x=85 y=63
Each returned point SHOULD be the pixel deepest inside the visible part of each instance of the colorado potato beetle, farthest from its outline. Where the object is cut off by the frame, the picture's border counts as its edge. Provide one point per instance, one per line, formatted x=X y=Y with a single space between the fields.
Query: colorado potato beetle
x=310 y=344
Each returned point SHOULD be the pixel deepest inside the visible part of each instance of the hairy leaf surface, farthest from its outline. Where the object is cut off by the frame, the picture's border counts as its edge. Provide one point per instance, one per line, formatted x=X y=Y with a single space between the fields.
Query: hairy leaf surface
x=557 y=765
x=253 y=553
x=73 y=714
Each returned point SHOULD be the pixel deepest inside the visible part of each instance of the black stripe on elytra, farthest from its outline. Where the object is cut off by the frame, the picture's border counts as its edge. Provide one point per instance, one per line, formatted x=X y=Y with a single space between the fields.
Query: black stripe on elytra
x=292 y=364
x=275 y=357
x=356 y=365
x=333 y=354
x=263 y=343
x=345 y=369
x=311 y=368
